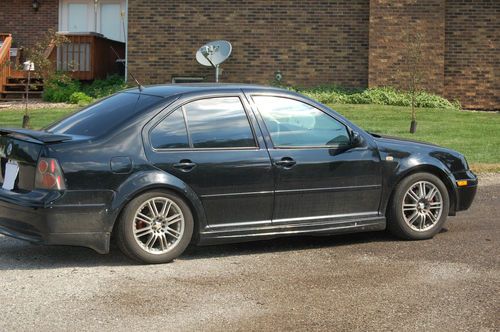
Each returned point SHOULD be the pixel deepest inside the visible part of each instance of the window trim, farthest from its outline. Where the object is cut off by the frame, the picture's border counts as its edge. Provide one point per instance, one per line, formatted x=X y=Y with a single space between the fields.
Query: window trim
x=281 y=147
x=191 y=146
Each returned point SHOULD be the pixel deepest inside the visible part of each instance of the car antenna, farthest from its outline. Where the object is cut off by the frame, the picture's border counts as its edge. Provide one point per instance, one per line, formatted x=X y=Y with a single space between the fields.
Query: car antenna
x=139 y=85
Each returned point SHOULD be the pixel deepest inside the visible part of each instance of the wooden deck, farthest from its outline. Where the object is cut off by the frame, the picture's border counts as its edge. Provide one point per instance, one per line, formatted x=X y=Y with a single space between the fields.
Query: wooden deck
x=6 y=41
x=88 y=56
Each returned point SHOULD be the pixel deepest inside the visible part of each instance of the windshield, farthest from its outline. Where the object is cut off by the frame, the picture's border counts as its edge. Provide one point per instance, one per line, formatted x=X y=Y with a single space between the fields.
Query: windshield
x=105 y=115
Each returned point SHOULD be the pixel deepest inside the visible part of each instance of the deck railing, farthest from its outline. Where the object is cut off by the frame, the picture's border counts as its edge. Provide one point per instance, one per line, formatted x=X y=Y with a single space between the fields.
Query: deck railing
x=87 y=56
x=6 y=43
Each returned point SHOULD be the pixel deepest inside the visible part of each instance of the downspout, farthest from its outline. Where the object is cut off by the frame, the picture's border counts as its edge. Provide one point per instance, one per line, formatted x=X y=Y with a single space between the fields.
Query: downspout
x=125 y=32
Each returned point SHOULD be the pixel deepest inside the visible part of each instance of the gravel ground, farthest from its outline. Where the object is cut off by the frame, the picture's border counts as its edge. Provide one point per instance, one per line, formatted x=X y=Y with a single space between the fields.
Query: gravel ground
x=33 y=104
x=357 y=282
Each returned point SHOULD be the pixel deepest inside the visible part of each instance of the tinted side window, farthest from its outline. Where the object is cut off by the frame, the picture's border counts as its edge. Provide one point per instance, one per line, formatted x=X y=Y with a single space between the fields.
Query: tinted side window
x=292 y=123
x=171 y=132
x=218 y=123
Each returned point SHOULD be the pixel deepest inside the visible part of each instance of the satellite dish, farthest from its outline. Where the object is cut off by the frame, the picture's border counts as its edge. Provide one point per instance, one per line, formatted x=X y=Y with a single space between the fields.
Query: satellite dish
x=213 y=54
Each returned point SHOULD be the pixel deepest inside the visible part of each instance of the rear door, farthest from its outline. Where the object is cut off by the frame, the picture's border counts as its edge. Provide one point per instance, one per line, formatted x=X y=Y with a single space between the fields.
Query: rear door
x=319 y=176
x=213 y=144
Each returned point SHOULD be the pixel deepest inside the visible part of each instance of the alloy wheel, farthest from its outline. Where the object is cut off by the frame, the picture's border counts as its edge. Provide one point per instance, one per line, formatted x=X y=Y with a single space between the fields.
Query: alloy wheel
x=158 y=225
x=422 y=206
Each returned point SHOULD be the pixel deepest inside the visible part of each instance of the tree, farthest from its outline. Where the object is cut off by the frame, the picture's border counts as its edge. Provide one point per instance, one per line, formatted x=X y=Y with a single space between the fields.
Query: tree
x=413 y=73
x=45 y=67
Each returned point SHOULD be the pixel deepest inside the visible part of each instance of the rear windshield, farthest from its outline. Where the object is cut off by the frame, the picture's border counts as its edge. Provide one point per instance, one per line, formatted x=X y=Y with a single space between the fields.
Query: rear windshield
x=105 y=115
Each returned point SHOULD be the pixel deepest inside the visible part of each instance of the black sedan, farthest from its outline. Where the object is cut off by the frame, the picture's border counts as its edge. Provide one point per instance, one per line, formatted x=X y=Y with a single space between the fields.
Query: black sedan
x=161 y=167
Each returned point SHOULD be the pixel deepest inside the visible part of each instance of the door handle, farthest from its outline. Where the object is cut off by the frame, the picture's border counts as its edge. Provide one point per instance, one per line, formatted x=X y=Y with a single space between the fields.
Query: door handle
x=185 y=165
x=285 y=162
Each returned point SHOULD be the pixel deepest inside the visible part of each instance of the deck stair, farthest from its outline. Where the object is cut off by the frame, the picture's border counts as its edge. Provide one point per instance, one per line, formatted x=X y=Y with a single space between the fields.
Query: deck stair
x=15 y=89
x=13 y=83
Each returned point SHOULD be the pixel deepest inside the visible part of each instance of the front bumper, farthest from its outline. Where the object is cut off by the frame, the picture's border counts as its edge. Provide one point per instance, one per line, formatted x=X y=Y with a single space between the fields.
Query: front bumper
x=39 y=218
x=466 y=194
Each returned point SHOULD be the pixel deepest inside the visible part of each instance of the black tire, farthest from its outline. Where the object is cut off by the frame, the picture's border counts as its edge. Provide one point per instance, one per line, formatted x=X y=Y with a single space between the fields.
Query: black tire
x=127 y=242
x=397 y=224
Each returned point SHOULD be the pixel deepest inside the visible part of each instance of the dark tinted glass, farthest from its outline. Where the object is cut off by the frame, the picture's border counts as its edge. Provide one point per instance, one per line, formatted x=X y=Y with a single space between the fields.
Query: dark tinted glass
x=105 y=115
x=292 y=123
x=171 y=132
x=219 y=123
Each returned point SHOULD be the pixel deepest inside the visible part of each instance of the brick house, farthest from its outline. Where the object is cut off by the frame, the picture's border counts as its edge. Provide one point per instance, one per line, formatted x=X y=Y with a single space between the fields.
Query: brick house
x=353 y=43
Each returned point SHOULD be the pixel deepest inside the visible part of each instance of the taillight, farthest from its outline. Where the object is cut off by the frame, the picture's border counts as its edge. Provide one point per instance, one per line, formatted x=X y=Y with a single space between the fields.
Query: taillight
x=49 y=175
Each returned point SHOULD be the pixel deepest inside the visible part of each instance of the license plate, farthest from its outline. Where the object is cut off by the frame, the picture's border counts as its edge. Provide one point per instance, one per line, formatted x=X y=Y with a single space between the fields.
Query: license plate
x=11 y=172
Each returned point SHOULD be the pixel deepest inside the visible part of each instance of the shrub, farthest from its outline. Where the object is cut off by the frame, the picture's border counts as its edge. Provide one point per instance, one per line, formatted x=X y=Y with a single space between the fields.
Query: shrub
x=80 y=98
x=62 y=88
x=59 y=88
x=103 y=88
x=380 y=96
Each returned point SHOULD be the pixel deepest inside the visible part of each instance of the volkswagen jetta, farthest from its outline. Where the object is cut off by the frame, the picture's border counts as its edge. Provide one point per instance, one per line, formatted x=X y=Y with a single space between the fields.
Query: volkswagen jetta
x=161 y=167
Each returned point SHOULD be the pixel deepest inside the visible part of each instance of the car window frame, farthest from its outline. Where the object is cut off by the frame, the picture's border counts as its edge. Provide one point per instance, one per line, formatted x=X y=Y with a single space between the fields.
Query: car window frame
x=191 y=148
x=304 y=101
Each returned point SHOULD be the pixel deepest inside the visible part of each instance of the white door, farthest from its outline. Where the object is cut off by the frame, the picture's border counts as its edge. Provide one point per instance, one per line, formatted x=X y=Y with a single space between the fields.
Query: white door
x=77 y=16
x=111 y=19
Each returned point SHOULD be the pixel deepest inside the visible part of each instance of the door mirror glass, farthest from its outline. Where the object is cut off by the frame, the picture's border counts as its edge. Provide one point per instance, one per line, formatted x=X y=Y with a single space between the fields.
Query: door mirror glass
x=356 y=139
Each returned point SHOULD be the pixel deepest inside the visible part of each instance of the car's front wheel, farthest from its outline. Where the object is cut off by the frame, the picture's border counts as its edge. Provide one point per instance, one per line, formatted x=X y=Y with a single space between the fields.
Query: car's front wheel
x=419 y=207
x=155 y=227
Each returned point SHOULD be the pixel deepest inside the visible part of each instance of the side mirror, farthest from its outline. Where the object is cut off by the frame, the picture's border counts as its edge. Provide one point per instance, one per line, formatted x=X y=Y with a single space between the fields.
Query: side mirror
x=356 y=139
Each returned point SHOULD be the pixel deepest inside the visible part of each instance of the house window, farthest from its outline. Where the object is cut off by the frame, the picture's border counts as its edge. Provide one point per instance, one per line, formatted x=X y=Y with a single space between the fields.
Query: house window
x=103 y=16
x=73 y=57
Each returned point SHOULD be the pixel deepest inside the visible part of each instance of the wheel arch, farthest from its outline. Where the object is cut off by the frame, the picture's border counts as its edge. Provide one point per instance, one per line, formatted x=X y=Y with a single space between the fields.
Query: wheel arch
x=434 y=170
x=156 y=180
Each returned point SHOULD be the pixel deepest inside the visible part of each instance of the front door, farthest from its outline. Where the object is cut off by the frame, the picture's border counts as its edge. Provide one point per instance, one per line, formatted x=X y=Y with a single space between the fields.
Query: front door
x=318 y=175
x=212 y=145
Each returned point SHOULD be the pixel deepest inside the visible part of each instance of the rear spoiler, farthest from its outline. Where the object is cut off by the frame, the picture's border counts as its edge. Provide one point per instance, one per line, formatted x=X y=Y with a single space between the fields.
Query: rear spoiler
x=42 y=136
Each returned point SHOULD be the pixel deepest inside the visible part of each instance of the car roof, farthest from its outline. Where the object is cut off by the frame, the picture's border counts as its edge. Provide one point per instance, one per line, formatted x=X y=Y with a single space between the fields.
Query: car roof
x=168 y=90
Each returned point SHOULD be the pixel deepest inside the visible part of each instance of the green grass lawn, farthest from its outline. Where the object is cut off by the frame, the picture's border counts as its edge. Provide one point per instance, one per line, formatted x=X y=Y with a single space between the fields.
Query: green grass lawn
x=38 y=118
x=475 y=134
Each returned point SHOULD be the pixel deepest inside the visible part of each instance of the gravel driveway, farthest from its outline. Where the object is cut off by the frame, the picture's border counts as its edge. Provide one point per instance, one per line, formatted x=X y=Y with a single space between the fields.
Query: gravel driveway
x=355 y=282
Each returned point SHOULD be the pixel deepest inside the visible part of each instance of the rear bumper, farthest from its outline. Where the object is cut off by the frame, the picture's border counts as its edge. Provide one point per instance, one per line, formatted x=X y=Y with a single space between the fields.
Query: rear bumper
x=55 y=222
x=466 y=194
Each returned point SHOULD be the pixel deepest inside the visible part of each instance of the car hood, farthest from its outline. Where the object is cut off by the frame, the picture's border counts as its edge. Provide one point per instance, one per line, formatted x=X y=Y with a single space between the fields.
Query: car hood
x=402 y=148
x=404 y=141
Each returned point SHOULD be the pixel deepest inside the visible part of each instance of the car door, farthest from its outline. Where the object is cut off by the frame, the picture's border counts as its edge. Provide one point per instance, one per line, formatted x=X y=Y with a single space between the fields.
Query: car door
x=213 y=145
x=319 y=175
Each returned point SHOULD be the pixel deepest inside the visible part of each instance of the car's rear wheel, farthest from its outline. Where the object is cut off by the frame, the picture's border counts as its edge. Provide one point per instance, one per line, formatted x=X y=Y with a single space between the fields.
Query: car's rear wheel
x=419 y=207
x=155 y=227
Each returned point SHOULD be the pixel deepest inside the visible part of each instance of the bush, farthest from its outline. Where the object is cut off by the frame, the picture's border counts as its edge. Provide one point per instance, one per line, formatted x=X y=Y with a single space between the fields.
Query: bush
x=80 y=98
x=62 y=88
x=380 y=96
x=59 y=88
x=103 y=88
